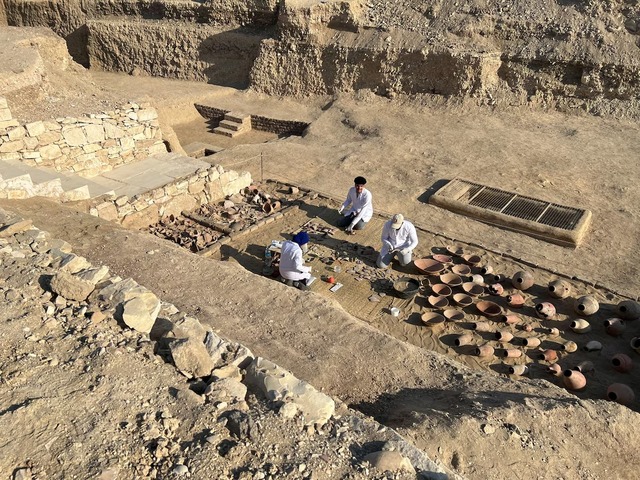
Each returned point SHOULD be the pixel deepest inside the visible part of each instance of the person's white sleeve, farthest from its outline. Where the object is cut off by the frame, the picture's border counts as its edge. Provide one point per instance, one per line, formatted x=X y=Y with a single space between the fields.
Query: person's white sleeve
x=300 y=267
x=347 y=202
x=362 y=211
x=412 y=240
x=385 y=237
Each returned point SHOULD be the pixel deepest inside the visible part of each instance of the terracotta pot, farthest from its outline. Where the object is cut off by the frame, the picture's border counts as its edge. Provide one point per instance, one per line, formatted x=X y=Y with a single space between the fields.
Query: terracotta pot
x=531 y=342
x=486 y=270
x=522 y=280
x=574 y=380
x=593 y=346
x=456 y=250
x=559 y=288
x=635 y=344
x=472 y=289
x=428 y=265
x=614 y=326
x=587 y=305
x=527 y=327
x=511 y=353
x=585 y=367
x=628 y=310
x=548 y=355
x=481 y=327
x=442 y=258
x=621 y=393
x=433 y=319
x=569 y=346
x=495 y=289
x=545 y=310
x=553 y=331
x=515 y=301
x=451 y=279
x=622 y=363
x=477 y=279
x=462 y=299
x=510 y=319
x=554 y=369
x=498 y=278
x=580 y=326
x=461 y=269
x=518 y=370
x=453 y=315
x=504 y=336
x=464 y=339
x=472 y=259
x=441 y=289
x=488 y=308
x=484 y=350
x=438 y=301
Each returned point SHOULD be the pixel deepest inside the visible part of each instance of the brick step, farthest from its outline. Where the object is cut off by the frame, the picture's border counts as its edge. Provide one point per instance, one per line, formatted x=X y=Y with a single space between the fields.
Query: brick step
x=236 y=117
x=227 y=132
x=234 y=126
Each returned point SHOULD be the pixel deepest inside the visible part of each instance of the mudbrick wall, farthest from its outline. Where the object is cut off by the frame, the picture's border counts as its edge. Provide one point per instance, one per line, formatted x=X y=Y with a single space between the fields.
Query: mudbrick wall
x=87 y=146
x=188 y=193
x=265 y=124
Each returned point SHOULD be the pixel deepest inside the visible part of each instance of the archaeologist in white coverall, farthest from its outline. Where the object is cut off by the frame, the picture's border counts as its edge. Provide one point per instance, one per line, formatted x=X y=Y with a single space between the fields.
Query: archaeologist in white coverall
x=292 y=267
x=399 y=238
x=360 y=207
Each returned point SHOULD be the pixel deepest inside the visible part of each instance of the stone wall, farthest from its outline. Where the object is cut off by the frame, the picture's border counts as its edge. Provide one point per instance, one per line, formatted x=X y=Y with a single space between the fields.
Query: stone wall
x=258 y=122
x=188 y=193
x=87 y=146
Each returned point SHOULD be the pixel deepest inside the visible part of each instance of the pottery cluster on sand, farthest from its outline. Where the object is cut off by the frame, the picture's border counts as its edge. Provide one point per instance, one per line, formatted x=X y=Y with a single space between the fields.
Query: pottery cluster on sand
x=518 y=323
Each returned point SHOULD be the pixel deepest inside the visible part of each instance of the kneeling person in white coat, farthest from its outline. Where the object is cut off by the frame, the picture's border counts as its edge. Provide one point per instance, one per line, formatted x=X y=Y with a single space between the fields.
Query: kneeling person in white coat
x=399 y=238
x=292 y=266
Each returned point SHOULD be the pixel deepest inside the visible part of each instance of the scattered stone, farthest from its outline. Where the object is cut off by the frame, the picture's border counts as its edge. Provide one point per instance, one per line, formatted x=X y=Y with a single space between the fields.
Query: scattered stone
x=180 y=470
x=74 y=263
x=488 y=429
x=288 y=410
x=94 y=275
x=191 y=357
x=14 y=227
x=22 y=474
x=227 y=388
x=96 y=316
x=390 y=461
x=240 y=424
x=136 y=315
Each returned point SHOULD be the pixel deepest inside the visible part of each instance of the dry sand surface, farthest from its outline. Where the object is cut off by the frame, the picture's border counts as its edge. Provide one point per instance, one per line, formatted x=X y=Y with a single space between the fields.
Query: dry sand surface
x=480 y=424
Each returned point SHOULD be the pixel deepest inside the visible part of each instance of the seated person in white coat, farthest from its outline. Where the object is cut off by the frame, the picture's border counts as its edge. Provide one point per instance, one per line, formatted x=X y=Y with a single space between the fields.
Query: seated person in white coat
x=292 y=268
x=359 y=205
x=399 y=238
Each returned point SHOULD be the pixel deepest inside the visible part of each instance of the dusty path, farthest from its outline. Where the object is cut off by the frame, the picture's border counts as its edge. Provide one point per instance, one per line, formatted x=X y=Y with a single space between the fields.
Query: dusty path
x=463 y=418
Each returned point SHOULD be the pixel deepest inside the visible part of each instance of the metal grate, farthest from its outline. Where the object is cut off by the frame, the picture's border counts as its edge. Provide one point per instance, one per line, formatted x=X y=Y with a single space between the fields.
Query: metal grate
x=527 y=214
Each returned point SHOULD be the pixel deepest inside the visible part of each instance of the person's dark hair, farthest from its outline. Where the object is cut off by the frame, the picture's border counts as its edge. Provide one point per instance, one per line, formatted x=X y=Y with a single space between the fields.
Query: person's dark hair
x=360 y=181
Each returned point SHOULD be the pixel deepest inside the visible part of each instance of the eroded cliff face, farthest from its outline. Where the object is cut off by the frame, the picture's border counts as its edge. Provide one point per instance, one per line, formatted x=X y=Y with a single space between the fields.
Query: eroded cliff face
x=582 y=52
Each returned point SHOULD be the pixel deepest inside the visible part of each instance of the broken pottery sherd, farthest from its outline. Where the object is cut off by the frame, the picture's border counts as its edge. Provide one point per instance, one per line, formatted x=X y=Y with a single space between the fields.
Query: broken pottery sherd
x=593 y=346
x=472 y=259
x=495 y=289
x=585 y=367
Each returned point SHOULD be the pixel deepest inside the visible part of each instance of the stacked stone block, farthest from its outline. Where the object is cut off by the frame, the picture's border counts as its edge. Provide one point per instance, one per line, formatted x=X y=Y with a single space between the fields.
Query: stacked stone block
x=205 y=186
x=88 y=146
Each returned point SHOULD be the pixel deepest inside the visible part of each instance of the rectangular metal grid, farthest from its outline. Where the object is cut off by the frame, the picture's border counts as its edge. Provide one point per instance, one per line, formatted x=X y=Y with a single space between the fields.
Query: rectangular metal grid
x=512 y=204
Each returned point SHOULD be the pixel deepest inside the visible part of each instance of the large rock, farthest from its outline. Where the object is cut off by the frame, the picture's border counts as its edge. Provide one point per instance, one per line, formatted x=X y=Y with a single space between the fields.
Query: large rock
x=122 y=292
x=191 y=357
x=15 y=226
x=180 y=203
x=71 y=287
x=142 y=219
x=73 y=263
x=136 y=315
x=227 y=389
x=389 y=461
x=94 y=275
x=276 y=383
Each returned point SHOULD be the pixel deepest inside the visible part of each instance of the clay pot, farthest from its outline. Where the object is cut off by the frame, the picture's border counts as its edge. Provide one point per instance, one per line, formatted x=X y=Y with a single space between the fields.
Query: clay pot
x=628 y=310
x=486 y=270
x=531 y=342
x=569 y=346
x=477 y=279
x=464 y=339
x=548 y=355
x=462 y=299
x=614 y=326
x=504 y=336
x=622 y=363
x=593 y=346
x=545 y=310
x=559 y=288
x=481 y=327
x=518 y=370
x=527 y=327
x=586 y=305
x=488 y=308
x=472 y=259
x=455 y=250
x=472 y=289
x=621 y=393
x=495 y=289
x=442 y=258
x=515 y=301
x=554 y=369
x=438 y=301
x=510 y=319
x=270 y=207
x=428 y=265
x=461 y=269
x=553 y=331
x=585 y=367
x=580 y=326
x=451 y=279
x=485 y=350
x=574 y=380
x=441 y=289
x=635 y=344
x=497 y=278
x=522 y=280
x=453 y=315
x=511 y=353
x=432 y=319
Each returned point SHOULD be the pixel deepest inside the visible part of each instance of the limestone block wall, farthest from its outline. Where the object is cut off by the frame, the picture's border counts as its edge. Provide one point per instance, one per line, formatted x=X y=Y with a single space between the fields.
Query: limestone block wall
x=87 y=146
x=188 y=193
x=258 y=122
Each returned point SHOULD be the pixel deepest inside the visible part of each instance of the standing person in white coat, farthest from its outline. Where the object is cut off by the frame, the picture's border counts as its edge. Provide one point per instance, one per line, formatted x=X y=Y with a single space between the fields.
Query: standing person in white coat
x=292 y=267
x=399 y=238
x=359 y=205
